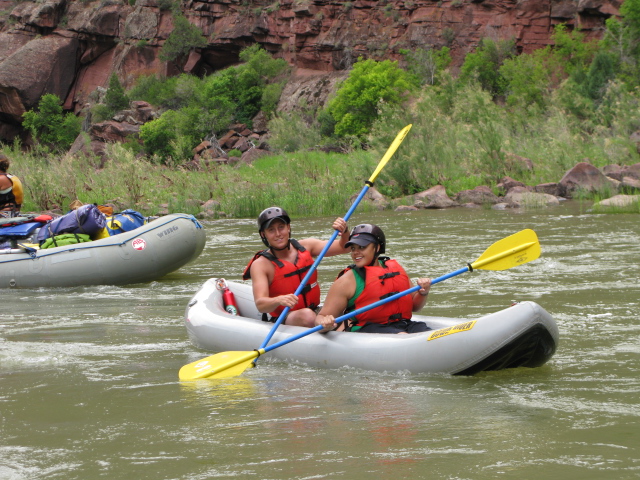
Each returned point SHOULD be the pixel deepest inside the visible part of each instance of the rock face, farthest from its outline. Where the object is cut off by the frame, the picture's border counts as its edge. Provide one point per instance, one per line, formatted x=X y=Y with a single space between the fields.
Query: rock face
x=71 y=48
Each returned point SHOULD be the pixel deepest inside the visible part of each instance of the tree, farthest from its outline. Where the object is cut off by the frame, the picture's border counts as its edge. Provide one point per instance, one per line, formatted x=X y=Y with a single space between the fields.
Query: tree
x=49 y=125
x=622 y=39
x=527 y=78
x=115 y=98
x=258 y=59
x=370 y=83
x=427 y=63
x=244 y=87
x=182 y=40
x=484 y=64
x=601 y=70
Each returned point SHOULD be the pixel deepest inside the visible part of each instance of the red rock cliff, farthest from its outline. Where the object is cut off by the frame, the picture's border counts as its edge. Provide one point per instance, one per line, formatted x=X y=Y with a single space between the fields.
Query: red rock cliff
x=70 y=48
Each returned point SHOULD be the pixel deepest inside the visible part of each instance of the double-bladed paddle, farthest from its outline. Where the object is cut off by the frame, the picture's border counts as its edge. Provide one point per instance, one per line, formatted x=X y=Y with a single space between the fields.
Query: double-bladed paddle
x=512 y=251
x=369 y=183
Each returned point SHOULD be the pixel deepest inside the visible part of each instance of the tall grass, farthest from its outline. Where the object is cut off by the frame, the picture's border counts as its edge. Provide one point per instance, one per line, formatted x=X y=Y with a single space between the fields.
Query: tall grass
x=461 y=139
x=304 y=183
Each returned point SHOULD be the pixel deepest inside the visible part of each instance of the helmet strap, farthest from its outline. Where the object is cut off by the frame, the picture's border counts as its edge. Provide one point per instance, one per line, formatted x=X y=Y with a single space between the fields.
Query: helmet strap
x=264 y=240
x=376 y=254
x=273 y=249
x=288 y=247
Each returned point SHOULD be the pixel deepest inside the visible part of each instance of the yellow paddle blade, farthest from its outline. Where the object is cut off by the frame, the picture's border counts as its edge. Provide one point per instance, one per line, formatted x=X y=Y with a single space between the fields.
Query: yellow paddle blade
x=514 y=250
x=390 y=151
x=220 y=365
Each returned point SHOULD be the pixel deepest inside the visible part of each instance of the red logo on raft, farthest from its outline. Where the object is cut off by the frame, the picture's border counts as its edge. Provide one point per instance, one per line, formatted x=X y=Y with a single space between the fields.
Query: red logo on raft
x=139 y=244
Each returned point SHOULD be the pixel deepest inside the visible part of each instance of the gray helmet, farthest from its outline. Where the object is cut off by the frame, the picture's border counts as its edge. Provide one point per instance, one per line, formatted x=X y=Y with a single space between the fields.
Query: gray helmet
x=268 y=215
x=367 y=233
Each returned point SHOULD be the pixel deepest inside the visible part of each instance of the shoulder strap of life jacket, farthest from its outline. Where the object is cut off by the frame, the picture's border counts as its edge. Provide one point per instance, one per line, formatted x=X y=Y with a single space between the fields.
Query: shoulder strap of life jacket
x=246 y=275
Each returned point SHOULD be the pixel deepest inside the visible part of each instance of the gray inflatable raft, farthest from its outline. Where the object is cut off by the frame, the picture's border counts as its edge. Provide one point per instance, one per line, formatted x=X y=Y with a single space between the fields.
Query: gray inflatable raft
x=141 y=255
x=523 y=335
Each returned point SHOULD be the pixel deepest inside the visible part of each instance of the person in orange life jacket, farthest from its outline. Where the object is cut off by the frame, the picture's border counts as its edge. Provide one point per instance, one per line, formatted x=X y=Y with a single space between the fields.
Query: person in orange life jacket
x=11 y=195
x=276 y=273
x=370 y=279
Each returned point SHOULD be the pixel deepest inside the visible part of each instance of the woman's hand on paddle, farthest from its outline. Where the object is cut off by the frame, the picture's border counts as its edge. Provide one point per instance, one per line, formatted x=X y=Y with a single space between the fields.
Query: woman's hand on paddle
x=420 y=297
x=328 y=322
x=425 y=286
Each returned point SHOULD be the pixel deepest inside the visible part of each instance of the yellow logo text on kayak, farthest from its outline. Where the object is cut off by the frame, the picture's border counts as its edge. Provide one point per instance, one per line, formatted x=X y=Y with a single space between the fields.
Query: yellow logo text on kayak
x=443 y=332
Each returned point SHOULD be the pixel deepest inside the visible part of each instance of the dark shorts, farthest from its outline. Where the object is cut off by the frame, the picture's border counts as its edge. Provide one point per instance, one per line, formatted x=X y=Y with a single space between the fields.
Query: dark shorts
x=408 y=326
x=269 y=318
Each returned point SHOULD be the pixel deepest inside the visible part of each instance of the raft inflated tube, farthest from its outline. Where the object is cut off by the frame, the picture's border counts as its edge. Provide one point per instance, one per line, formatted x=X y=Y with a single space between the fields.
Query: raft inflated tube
x=6 y=251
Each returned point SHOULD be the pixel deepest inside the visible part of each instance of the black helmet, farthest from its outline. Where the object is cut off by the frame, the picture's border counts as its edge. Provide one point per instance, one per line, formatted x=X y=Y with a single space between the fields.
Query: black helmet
x=270 y=214
x=367 y=233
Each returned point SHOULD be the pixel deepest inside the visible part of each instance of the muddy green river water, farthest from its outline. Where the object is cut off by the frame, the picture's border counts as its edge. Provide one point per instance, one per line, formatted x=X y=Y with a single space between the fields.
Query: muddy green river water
x=89 y=376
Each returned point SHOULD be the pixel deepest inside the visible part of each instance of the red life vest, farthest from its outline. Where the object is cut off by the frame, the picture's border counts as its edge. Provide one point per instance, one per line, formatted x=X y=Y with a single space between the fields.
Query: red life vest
x=288 y=276
x=380 y=282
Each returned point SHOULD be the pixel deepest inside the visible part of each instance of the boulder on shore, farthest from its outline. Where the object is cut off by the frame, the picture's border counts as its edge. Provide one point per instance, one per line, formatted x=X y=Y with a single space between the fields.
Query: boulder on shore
x=586 y=177
x=435 y=197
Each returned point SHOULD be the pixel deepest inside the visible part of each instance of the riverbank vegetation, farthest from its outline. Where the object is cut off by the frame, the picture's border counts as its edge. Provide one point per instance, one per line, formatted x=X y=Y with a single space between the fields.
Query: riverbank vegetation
x=573 y=101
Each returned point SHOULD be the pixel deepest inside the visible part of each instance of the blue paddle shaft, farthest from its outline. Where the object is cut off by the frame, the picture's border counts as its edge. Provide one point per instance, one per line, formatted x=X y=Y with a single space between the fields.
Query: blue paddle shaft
x=313 y=268
x=365 y=309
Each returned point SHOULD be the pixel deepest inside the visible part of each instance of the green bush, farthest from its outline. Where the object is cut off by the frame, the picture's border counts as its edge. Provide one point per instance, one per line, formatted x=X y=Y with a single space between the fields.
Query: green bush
x=158 y=134
x=369 y=85
x=115 y=99
x=484 y=64
x=270 y=97
x=49 y=125
x=156 y=91
x=290 y=132
x=246 y=89
x=600 y=72
x=202 y=107
x=573 y=53
x=100 y=113
x=173 y=136
x=527 y=79
x=260 y=61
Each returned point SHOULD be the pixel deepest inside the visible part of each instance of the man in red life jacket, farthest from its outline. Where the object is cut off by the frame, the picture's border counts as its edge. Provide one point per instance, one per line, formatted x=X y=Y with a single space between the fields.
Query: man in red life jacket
x=369 y=279
x=276 y=273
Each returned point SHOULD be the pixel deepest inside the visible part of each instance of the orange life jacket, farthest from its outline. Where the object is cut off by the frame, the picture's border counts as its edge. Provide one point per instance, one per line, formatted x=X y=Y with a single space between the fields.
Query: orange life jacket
x=380 y=281
x=288 y=277
x=14 y=197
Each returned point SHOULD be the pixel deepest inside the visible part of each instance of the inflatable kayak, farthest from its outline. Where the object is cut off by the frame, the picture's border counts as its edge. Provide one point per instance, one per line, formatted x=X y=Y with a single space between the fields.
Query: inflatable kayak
x=141 y=255
x=522 y=335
